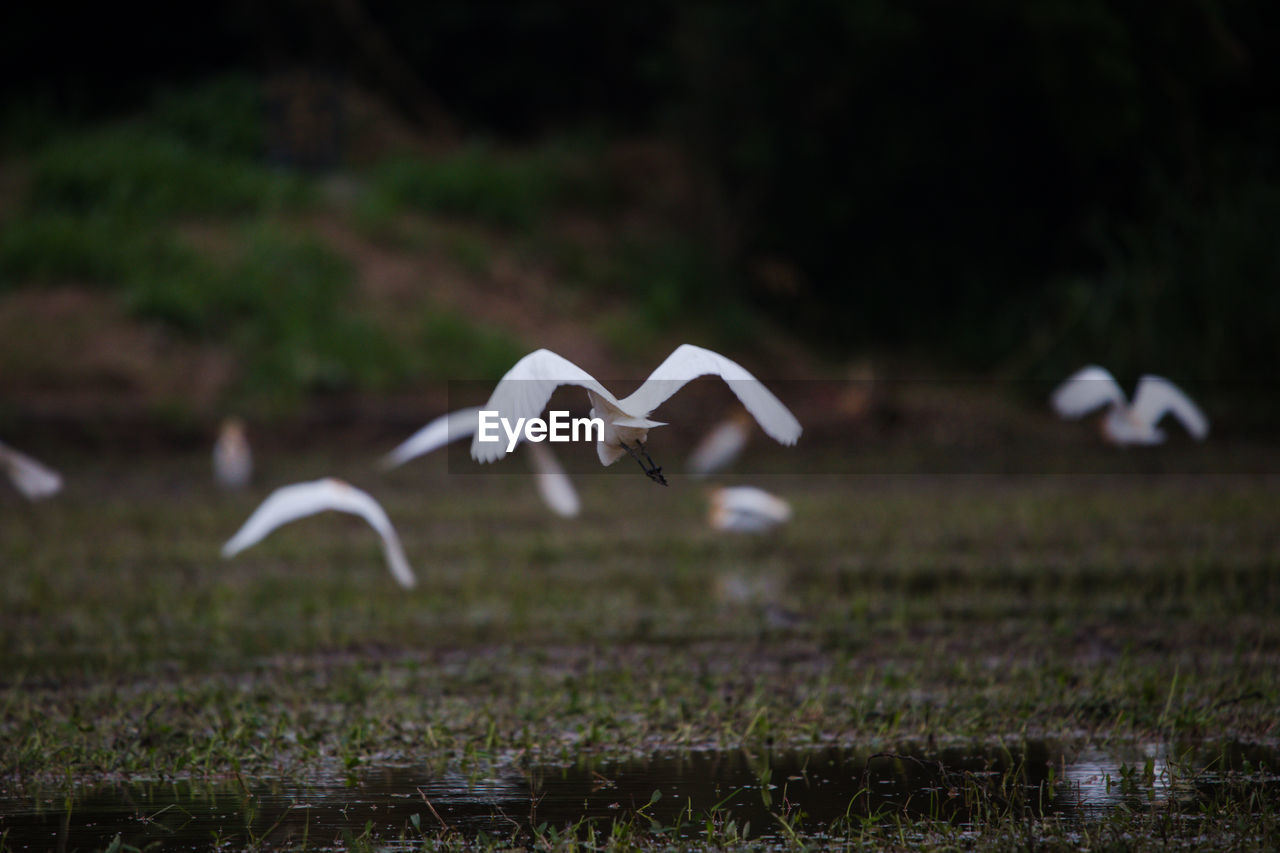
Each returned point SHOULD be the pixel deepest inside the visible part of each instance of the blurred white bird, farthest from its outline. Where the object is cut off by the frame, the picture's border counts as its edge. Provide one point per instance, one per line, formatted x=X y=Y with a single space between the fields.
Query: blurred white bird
x=232 y=458
x=553 y=483
x=722 y=445
x=746 y=509
x=527 y=387
x=35 y=480
x=290 y=503
x=435 y=435
x=1093 y=387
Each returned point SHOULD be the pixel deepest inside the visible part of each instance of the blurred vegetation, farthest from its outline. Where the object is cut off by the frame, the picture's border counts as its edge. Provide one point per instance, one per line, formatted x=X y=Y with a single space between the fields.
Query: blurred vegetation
x=1016 y=188
x=281 y=301
x=1193 y=285
x=678 y=283
x=176 y=211
x=105 y=205
x=959 y=178
x=222 y=115
x=479 y=183
x=468 y=184
x=1097 y=607
x=461 y=349
x=51 y=246
x=140 y=171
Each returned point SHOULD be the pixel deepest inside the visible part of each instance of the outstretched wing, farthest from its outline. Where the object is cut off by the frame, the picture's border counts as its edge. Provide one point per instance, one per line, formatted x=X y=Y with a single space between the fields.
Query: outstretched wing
x=34 y=480
x=433 y=436
x=1085 y=390
x=1157 y=396
x=524 y=392
x=687 y=363
x=360 y=503
x=285 y=504
x=290 y=503
x=553 y=483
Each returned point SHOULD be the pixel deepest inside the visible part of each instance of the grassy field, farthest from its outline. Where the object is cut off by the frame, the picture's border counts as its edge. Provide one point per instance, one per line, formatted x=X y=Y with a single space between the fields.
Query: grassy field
x=158 y=271
x=903 y=613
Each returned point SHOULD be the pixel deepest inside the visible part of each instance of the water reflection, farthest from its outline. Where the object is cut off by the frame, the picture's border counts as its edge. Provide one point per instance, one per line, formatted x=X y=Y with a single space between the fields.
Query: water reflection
x=821 y=792
x=1099 y=781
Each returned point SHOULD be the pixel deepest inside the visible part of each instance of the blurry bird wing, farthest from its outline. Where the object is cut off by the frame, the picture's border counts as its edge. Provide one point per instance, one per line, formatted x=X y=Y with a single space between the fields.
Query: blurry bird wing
x=688 y=362
x=299 y=500
x=35 y=480
x=1085 y=390
x=361 y=503
x=525 y=391
x=1156 y=396
x=441 y=431
x=719 y=447
x=553 y=483
x=285 y=504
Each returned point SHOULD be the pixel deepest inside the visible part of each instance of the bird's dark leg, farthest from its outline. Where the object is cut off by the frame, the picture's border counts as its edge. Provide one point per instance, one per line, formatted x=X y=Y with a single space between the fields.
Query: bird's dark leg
x=647 y=465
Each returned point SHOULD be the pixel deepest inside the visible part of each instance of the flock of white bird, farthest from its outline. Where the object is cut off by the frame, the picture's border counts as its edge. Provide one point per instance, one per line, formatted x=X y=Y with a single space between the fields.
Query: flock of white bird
x=525 y=391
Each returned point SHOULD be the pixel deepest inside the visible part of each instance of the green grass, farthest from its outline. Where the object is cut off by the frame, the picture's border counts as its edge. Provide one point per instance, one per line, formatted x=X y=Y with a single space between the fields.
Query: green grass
x=453 y=346
x=53 y=246
x=472 y=184
x=222 y=115
x=283 y=299
x=280 y=300
x=946 y=609
x=175 y=212
x=894 y=613
x=106 y=207
x=673 y=283
x=956 y=610
x=490 y=187
x=133 y=171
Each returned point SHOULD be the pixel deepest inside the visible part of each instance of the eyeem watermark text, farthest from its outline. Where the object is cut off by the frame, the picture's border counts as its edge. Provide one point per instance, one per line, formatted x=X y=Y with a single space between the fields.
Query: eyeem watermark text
x=559 y=427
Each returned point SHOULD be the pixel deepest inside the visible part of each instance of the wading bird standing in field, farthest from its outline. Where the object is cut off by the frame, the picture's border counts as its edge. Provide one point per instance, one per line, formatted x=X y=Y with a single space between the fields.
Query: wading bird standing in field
x=232 y=458
x=553 y=483
x=290 y=503
x=1093 y=387
x=722 y=445
x=527 y=387
x=746 y=509
x=34 y=480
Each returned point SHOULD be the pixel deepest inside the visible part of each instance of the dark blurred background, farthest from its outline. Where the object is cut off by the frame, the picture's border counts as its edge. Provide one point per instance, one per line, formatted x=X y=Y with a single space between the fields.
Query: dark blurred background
x=1004 y=189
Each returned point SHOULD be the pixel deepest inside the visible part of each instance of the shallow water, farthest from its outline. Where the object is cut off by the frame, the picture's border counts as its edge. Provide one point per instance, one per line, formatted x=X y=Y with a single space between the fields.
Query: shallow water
x=827 y=790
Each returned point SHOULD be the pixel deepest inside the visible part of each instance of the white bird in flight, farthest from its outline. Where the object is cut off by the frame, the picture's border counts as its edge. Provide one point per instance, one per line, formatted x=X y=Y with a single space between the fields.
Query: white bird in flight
x=527 y=387
x=290 y=503
x=232 y=458
x=553 y=483
x=722 y=445
x=35 y=480
x=1093 y=387
x=746 y=509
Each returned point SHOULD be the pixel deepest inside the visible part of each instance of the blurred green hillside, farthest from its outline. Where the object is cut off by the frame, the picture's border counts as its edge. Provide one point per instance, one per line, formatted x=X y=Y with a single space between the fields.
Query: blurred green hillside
x=298 y=206
x=161 y=263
